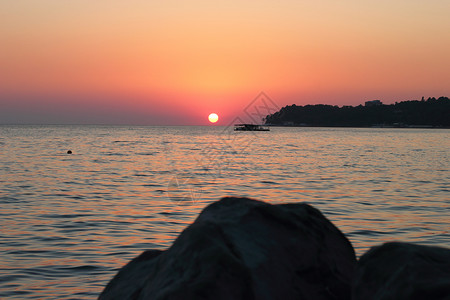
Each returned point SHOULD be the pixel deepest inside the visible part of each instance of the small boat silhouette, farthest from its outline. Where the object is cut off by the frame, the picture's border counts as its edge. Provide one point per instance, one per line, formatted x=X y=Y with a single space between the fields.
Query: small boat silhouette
x=250 y=127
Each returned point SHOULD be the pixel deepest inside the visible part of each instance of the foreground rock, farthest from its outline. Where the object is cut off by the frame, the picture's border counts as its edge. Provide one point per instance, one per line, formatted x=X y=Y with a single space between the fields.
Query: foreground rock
x=403 y=271
x=245 y=249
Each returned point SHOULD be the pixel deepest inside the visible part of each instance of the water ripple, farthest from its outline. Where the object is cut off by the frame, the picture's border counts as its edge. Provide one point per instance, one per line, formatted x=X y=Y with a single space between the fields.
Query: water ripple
x=69 y=222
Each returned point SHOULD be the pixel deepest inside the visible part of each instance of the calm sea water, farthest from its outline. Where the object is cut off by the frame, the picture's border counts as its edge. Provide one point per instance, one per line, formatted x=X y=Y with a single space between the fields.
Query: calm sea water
x=68 y=222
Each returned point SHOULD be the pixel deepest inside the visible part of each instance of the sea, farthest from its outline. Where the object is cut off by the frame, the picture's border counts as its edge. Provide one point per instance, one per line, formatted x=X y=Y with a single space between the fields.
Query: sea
x=70 y=221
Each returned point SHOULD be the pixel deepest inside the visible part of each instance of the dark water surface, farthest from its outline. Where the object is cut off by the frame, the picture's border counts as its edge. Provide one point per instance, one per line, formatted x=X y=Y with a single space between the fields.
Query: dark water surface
x=68 y=222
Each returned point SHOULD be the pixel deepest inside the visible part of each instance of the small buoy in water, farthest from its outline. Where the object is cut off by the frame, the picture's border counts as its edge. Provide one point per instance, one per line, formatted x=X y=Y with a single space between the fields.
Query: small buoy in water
x=69 y=152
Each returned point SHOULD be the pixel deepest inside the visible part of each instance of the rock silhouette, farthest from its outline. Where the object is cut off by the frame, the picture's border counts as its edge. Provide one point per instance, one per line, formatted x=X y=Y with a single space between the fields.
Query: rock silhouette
x=403 y=271
x=240 y=248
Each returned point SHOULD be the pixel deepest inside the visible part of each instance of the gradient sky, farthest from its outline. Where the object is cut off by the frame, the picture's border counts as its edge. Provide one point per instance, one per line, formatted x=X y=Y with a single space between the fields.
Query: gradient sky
x=174 y=62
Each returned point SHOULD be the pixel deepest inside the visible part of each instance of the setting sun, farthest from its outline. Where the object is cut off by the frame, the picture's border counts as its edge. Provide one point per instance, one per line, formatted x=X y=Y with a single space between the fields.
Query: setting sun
x=213 y=118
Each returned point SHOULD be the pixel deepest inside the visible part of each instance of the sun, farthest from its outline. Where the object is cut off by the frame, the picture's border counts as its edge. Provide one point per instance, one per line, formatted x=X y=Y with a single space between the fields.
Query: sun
x=213 y=118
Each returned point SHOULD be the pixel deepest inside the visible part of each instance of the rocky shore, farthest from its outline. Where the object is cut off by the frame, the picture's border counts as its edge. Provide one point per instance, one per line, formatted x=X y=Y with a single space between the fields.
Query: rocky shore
x=239 y=248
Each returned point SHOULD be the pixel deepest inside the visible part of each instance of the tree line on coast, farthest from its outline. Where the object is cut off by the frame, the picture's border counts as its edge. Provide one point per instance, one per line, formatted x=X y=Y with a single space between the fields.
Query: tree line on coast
x=431 y=112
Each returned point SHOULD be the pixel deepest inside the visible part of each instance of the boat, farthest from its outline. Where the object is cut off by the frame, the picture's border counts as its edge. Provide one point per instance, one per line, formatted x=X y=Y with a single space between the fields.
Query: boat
x=250 y=127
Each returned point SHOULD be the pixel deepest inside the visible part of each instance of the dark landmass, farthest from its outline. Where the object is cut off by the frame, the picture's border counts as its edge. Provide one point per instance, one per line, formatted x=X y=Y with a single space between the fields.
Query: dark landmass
x=240 y=248
x=414 y=113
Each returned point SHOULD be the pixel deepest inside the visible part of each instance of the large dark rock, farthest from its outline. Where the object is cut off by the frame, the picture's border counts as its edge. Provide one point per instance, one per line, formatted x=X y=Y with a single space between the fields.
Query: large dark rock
x=245 y=249
x=403 y=271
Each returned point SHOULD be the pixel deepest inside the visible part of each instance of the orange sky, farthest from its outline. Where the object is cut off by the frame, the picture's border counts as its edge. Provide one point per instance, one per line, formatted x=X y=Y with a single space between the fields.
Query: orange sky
x=174 y=62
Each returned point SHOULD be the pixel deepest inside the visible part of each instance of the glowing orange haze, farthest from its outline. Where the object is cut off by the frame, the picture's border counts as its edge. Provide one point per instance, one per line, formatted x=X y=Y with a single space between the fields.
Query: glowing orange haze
x=171 y=62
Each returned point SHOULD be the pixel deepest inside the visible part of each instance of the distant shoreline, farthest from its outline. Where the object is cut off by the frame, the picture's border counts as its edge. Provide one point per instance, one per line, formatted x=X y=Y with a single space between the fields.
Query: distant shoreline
x=374 y=127
x=430 y=113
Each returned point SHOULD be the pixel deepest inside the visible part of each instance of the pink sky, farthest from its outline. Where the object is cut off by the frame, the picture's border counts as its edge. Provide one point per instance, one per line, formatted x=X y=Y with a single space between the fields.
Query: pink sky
x=174 y=62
